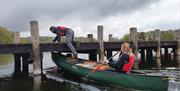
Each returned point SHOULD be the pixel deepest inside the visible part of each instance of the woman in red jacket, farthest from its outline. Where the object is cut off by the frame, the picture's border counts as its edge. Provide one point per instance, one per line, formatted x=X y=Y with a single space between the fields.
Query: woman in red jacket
x=125 y=60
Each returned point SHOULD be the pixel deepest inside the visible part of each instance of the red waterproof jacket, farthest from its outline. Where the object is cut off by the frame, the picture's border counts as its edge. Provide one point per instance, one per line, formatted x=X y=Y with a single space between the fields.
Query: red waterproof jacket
x=61 y=30
x=127 y=67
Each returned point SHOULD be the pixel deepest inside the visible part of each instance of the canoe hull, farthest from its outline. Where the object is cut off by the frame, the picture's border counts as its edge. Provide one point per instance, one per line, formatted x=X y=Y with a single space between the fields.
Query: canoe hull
x=140 y=82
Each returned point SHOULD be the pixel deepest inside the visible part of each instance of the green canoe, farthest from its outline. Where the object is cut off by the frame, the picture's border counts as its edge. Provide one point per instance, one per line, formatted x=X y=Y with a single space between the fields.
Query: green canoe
x=132 y=81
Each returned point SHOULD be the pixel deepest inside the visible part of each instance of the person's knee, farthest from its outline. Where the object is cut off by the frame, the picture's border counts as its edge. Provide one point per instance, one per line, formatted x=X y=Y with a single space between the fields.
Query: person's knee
x=68 y=43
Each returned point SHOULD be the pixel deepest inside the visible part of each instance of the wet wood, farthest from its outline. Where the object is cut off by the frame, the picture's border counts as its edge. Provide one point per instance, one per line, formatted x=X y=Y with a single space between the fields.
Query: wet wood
x=92 y=55
x=17 y=64
x=133 y=39
x=35 y=47
x=101 y=43
x=158 y=52
x=25 y=64
x=16 y=37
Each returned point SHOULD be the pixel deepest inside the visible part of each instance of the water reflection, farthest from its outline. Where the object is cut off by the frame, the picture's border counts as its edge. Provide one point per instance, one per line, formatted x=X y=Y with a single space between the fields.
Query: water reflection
x=5 y=59
x=6 y=65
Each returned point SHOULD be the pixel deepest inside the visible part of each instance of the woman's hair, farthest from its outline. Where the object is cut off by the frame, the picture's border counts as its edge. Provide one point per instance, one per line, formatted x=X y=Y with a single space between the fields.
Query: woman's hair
x=125 y=47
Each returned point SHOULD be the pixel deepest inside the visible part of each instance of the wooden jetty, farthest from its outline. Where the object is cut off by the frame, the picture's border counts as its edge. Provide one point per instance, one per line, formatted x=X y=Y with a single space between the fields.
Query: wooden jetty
x=25 y=51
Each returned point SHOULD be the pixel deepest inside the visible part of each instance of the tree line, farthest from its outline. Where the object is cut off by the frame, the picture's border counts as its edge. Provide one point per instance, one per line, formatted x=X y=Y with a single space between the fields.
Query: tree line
x=168 y=35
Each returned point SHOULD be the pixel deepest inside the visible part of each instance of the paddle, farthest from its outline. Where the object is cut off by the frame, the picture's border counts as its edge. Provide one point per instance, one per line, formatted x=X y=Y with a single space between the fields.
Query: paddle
x=100 y=65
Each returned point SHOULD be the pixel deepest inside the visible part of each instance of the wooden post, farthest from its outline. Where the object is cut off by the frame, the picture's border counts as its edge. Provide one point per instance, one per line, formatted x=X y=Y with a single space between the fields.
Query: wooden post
x=146 y=37
x=37 y=83
x=90 y=38
x=17 y=64
x=17 y=57
x=174 y=53
x=110 y=38
x=142 y=55
x=101 y=43
x=149 y=55
x=16 y=37
x=92 y=55
x=25 y=63
x=133 y=39
x=178 y=52
x=158 y=52
x=166 y=54
x=35 y=46
x=109 y=52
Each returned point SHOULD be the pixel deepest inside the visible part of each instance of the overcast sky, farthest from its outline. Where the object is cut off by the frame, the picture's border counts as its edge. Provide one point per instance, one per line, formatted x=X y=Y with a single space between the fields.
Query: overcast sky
x=83 y=16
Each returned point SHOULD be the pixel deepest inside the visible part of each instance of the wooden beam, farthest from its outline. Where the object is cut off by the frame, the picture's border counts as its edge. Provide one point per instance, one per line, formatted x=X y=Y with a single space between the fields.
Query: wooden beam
x=83 y=47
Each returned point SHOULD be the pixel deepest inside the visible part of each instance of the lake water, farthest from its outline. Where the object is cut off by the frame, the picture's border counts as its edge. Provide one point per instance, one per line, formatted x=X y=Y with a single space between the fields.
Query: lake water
x=64 y=82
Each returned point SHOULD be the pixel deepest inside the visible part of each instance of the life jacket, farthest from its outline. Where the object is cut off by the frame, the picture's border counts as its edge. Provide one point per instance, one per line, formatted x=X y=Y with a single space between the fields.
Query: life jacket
x=62 y=30
x=127 y=67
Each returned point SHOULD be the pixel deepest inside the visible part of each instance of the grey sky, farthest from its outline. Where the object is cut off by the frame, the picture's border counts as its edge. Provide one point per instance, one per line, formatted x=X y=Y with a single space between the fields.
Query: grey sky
x=84 y=15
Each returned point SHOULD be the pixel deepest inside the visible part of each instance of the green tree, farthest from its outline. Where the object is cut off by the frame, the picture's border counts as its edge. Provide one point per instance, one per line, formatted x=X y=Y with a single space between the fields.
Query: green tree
x=125 y=38
x=167 y=35
x=5 y=36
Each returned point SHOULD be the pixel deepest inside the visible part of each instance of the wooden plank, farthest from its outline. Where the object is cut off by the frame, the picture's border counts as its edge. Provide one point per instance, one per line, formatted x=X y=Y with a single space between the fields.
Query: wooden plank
x=83 y=47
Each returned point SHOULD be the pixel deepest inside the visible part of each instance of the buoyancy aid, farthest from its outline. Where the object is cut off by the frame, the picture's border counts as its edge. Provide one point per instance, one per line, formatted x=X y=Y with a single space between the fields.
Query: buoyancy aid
x=127 y=67
x=62 y=30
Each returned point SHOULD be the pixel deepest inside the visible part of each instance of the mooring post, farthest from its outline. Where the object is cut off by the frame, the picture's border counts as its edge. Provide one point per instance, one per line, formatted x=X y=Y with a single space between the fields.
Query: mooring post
x=90 y=38
x=158 y=51
x=92 y=55
x=144 y=36
x=35 y=46
x=17 y=57
x=37 y=83
x=16 y=37
x=110 y=38
x=178 y=52
x=101 y=43
x=133 y=39
x=36 y=55
x=109 y=52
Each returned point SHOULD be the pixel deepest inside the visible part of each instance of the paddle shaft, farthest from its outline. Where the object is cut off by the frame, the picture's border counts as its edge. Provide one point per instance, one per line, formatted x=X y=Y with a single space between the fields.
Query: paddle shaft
x=113 y=55
x=101 y=65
